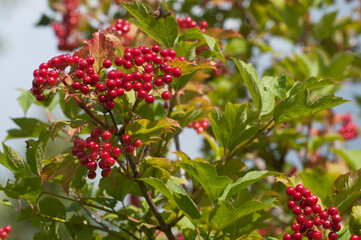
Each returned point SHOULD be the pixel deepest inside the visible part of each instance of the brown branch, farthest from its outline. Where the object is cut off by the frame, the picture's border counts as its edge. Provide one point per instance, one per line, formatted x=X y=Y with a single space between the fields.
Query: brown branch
x=164 y=227
x=82 y=106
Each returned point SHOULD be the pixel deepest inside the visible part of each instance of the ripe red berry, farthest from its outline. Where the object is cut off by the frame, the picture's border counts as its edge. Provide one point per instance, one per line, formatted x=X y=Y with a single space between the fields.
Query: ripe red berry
x=155 y=48
x=106 y=172
x=309 y=223
x=127 y=139
x=109 y=104
x=93 y=156
x=139 y=61
x=106 y=146
x=107 y=63
x=116 y=151
x=166 y=95
x=76 y=85
x=316 y=208
x=336 y=227
x=7 y=229
x=177 y=72
x=3 y=234
x=326 y=224
x=297 y=196
x=317 y=235
x=301 y=219
x=336 y=218
x=137 y=143
x=290 y=191
x=119 y=61
x=127 y=55
x=147 y=86
x=149 y=99
x=317 y=221
x=158 y=82
x=148 y=68
x=84 y=89
x=128 y=64
x=323 y=215
x=287 y=236
x=110 y=161
x=296 y=227
x=92 y=165
x=120 y=92
x=332 y=210
x=129 y=148
x=167 y=79
x=90 y=60
x=296 y=236
x=203 y=24
x=137 y=86
x=353 y=237
x=299 y=188
x=297 y=210
x=92 y=174
x=142 y=94
x=147 y=77
x=104 y=154
x=128 y=86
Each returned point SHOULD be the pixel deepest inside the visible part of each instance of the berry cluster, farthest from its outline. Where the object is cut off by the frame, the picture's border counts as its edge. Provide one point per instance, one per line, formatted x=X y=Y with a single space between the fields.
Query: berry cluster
x=64 y=29
x=310 y=216
x=188 y=22
x=122 y=27
x=145 y=69
x=4 y=232
x=97 y=150
x=199 y=125
x=349 y=129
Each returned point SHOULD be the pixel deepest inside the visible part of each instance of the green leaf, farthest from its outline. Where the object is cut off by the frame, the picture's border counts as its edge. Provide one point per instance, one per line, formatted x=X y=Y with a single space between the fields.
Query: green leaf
x=149 y=131
x=351 y=157
x=58 y=125
x=62 y=164
x=234 y=126
x=355 y=220
x=164 y=29
x=177 y=196
x=183 y=201
x=25 y=99
x=345 y=191
x=195 y=34
x=186 y=49
x=261 y=93
x=206 y=175
x=224 y=213
x=69 y=106
x=149 y=165
x=243 y=182
x=318 y=141
x=117 y=185
x=300 y=105
x=35 y=151
x=325 y=26
x=53 y=208
x=78 y=229
x=29 y=127
x=13 y=160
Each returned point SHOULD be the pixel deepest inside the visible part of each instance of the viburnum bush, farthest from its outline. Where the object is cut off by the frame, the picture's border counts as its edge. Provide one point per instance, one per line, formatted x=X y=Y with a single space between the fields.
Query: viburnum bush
x=110 y=162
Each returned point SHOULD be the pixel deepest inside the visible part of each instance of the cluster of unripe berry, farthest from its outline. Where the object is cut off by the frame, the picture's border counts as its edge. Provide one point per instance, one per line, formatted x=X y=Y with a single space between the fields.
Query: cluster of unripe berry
x=122 y=27
x=349 y=129
x=188 y=22
x=199 y=125
x=101 y=149
x=312 y=222
x=64 y=29
x=4 y=232
x=145 y=69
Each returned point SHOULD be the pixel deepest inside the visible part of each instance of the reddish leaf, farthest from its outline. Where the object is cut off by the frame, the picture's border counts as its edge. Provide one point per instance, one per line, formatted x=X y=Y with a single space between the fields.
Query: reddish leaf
x=62 y=164
x=101 y=48
x=219 y=33
x=114 y=37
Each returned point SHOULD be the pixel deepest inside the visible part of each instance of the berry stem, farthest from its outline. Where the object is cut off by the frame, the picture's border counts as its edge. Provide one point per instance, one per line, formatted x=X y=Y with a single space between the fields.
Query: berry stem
x=82 y=106
x=113 y=119
x=164 y=227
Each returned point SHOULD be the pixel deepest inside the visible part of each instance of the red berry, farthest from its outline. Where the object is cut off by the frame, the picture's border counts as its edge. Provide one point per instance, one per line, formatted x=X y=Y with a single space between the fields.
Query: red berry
x=323 y=215
x=147 y=86
x=106 y=172
x=287 y=236
x=93 y=156
x=336 y=218
x=84 y=89
x=3 y=234
x=297 y=196
x=110 y=161
x=290 y=191
x=317 y=235
x=297 y=210
x=100 y=87
x=107 y=63
x=148 y=68
x=127 y=139
x=296 y=227
x=139 y=61
x=316 y=208
x=308 y=223
x=353 y=237
x=332 y=210
x=109 y=104
x=158 y=82
x=127 y=55
x=137 y=86
x=167 y=79
x=92 y=166
x=164 y=52
x=129 y=148
x=120 y=92
x=155 y=48
x=299 y=188
x=301 y=219
x=172 y=53
x=297 y=236
x=7 y=229
x=147 y=77
x=92 y=174
x=307 y=210
x=203 y=24
x=119 y=61
x=137 y=143
x=336 y=227
x=149 y=99
x=326 y=224
x=166 y=95
x=142 y=94
x=317 y=221
x=177 y=72
x=116 y=151
x=128 y=86
x=90 y=60
x=83 y=64
x=106 y=146
x=128 y=64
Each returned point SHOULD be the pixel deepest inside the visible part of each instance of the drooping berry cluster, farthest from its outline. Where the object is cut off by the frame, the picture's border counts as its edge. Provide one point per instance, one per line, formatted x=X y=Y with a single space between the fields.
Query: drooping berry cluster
x=312 y=222
x=4 y=232
x=188 y=22
x=349 y=129
x=199 y=125
x=122 y=27
x=98 y=151
x=64 y=30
